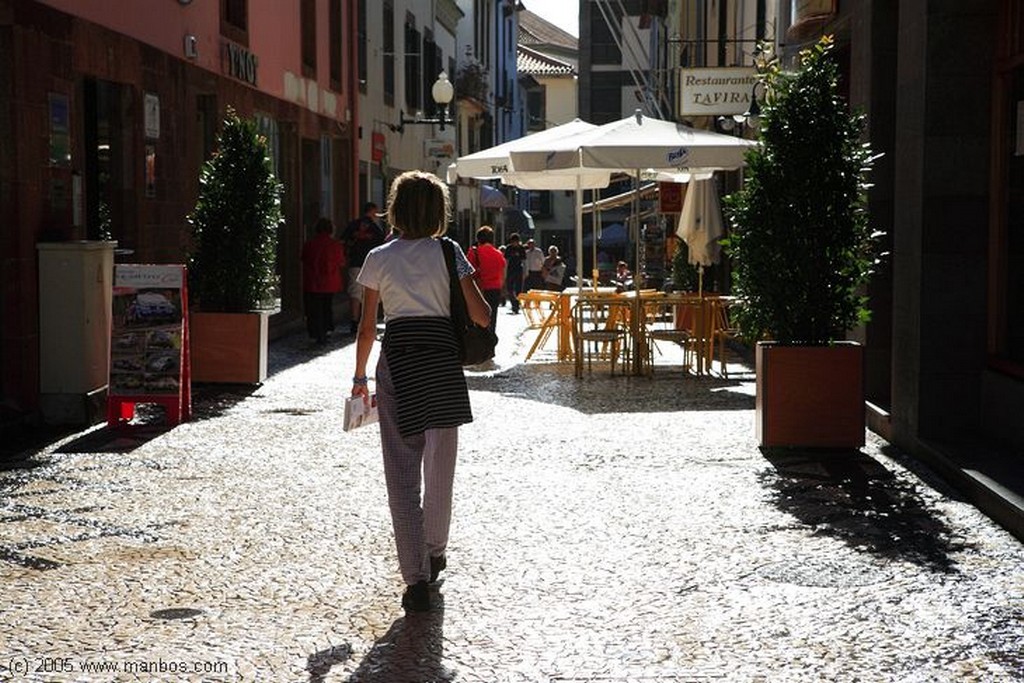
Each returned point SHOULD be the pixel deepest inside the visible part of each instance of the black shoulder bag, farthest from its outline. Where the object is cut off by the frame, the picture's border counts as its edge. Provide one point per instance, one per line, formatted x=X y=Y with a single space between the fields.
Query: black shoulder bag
x=476 y=344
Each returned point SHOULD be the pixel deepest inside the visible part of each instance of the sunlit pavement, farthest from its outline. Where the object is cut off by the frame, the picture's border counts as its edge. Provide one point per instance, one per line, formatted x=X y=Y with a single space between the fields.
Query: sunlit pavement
x=605 y=529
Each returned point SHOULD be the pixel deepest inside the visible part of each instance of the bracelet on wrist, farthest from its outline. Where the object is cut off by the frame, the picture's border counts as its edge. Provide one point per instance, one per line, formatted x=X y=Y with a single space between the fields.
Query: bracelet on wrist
x=364 y=380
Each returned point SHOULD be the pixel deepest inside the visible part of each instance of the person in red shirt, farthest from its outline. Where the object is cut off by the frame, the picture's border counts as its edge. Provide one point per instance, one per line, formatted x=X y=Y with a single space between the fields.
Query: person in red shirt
x=490 y=269
x=323 y=259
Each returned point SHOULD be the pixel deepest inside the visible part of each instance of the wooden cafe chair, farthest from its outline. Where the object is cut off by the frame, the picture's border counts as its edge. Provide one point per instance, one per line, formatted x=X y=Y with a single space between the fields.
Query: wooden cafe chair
x=601 y=327
x=539 y=307
x=664 y=325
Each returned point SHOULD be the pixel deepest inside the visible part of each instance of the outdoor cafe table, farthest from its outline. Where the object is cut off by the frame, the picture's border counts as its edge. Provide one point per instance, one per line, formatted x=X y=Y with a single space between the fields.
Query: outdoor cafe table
x=551 y=313
x=704 y=316
x=701 y=315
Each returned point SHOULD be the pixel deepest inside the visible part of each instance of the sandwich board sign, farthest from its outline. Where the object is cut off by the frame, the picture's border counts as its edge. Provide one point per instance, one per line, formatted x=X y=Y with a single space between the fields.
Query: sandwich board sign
x=149 y=350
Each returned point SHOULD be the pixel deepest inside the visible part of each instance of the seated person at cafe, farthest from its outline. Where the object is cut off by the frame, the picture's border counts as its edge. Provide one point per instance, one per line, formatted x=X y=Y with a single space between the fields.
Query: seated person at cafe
x=623 y=278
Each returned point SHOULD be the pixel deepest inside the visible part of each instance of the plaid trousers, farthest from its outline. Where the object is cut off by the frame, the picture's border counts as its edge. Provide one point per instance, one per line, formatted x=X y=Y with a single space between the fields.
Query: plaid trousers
x=421 y=527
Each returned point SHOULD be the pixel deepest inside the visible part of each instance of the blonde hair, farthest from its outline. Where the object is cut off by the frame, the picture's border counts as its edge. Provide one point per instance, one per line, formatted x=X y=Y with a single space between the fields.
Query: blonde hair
x=418 y=205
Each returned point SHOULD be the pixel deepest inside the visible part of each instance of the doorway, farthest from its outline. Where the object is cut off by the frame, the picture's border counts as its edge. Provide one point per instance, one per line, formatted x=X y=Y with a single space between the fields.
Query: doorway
x=109 y=178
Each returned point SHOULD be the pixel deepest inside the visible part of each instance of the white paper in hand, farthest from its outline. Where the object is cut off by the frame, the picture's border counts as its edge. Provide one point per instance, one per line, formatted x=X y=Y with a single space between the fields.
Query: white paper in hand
x=358 y=413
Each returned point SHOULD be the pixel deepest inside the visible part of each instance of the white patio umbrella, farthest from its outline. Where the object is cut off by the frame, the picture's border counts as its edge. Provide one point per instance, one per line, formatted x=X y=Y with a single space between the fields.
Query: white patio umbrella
x=700 y=226
x=638 y=145
x=636 y=142
x=495 y=163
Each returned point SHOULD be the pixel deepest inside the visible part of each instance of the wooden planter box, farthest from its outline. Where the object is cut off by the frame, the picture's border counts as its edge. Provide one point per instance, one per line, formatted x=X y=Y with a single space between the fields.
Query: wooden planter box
x=810 y=396
x=229 y=348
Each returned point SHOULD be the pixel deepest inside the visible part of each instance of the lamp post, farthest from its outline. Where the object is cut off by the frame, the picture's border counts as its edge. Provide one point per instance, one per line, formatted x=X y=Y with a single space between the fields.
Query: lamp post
x=751 y=117
x=442 y=91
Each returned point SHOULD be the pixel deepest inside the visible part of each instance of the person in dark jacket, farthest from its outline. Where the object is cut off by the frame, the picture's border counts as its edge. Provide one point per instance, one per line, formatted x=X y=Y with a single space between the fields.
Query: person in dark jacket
x=360 y=236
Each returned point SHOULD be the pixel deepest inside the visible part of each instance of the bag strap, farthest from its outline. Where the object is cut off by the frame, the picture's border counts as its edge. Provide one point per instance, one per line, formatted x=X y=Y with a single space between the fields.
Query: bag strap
x=457 y=300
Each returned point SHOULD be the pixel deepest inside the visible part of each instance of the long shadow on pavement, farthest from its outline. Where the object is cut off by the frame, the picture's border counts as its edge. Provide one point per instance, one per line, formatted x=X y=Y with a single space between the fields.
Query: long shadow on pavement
x=599 y=392
x=411 y=650
x=854 y=498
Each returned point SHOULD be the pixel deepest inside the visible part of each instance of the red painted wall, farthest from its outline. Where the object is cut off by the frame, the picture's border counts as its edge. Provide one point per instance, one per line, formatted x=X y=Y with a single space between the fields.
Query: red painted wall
x=54 y=45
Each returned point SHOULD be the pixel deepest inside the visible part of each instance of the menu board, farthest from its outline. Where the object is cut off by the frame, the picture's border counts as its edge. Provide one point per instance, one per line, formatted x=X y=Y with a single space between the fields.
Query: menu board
x=147 y=330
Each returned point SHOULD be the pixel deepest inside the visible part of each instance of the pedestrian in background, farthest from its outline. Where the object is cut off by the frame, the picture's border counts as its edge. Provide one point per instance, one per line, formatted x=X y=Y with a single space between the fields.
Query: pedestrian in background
x=322 y=262
x=490 y=270
x=360 y=236
x=534 y=266
x=422 y=396
x=515 y=261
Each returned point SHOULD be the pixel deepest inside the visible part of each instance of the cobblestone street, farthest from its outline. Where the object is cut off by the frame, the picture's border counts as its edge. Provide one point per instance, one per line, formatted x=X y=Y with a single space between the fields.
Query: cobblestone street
x=605 y=530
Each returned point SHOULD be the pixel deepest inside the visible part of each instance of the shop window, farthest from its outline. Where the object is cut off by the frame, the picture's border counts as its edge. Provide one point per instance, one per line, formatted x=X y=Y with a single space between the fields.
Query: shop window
x=108 y=129
x=307 y=20
x=269 y=129
x=234 y=20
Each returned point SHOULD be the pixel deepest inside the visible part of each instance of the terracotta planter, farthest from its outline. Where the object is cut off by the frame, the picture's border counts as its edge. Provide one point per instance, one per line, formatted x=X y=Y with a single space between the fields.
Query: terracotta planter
x=229 y=348
x=810 y=396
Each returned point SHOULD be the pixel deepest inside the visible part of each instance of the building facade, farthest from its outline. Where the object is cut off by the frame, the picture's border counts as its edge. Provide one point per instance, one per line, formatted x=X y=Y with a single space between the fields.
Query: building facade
x=490 y=104
x=404 y=46
x=547 y=59
x=108 y=110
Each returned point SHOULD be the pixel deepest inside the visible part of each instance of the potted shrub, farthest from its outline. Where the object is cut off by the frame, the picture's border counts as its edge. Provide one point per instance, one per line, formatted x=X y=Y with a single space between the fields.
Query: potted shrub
x=802 y=252
x=232 y=264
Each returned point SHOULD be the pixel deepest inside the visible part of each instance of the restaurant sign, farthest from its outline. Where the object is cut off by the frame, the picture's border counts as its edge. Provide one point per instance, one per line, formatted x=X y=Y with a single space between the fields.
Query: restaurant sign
x=715 y=91
x=378 y=147
x=240 y=63
x=438 y=149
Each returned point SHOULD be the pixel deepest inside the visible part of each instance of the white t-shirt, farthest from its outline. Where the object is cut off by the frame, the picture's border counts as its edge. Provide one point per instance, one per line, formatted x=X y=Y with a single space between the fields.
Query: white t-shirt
x=534 y=259
x=412 y=277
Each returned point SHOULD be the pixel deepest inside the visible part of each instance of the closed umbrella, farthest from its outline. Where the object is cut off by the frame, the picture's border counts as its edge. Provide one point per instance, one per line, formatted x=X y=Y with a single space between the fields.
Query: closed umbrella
x=700 y=226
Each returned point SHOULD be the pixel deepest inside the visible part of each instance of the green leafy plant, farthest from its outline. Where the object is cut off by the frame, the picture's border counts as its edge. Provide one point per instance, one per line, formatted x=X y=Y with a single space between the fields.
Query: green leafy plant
x=801 y=247
x=235 y=223
x=684 y=275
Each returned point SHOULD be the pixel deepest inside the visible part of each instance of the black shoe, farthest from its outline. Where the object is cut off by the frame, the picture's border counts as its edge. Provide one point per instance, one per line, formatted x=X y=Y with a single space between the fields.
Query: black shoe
x=437 y=565
x=417 y=598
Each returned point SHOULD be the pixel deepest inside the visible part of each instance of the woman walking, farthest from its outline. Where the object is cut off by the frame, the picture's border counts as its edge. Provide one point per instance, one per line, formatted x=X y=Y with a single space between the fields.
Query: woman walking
x=421 y=391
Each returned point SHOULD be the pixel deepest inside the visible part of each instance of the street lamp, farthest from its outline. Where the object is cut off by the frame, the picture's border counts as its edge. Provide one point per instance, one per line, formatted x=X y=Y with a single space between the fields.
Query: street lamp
x=442 y=92
x=751 y=117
